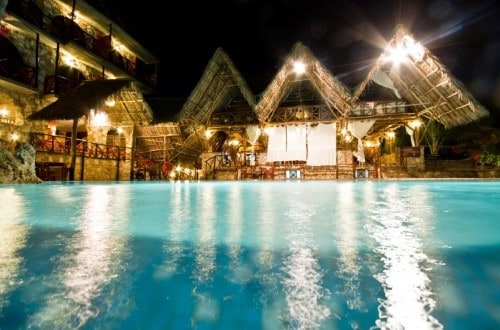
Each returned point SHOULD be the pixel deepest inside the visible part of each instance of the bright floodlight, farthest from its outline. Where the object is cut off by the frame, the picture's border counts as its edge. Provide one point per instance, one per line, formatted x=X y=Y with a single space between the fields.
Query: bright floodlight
x=299 y=67
x=405 y=49
x=397 y=54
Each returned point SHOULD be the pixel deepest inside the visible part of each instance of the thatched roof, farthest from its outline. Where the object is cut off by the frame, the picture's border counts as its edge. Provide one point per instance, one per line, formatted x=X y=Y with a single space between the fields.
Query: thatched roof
x=159 y=141
x=333 y=93
x=191 y=148
x=429 y=88
x=129 y=107
x=220 y=85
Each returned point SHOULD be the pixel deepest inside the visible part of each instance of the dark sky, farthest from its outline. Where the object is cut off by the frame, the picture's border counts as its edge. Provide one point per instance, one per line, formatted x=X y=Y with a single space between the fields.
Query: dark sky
x=344 y=35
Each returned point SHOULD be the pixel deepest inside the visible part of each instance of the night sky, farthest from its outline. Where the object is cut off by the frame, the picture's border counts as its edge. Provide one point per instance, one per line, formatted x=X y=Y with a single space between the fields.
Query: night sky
x=345 y=36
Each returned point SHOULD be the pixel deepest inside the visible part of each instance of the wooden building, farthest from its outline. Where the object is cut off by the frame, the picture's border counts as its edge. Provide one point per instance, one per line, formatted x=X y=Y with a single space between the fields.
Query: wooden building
x=310 y=125
x=75 y=85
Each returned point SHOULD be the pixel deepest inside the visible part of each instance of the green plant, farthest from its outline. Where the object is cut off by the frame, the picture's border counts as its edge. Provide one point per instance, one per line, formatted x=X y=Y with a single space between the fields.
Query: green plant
x=490 y=153
x=434 y=135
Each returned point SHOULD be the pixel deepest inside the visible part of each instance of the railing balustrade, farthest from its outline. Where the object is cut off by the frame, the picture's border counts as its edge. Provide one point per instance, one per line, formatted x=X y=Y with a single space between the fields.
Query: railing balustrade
x=66 y=30
x=62 y=145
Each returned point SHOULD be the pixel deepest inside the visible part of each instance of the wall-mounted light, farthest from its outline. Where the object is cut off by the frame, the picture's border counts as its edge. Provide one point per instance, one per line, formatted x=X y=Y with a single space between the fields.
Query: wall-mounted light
x=14 y=136
x=371 y=143
x=70 y=61
x=119 y=130
x=302 y=114
x=4 y=113
x=76 y=17
x=117 y=46
x=110 y=101
x=348 y=137
x=53 y=128
x=98 y=118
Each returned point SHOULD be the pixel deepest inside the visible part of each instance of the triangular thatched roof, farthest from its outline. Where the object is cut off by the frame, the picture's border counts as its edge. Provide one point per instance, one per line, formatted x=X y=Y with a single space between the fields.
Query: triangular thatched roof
x=129 y=105
x=220 y=85
x=428 y=87
x=333 y=93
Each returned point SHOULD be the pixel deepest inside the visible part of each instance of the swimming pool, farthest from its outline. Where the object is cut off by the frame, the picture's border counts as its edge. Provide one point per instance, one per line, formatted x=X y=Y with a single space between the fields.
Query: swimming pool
x=251 y=255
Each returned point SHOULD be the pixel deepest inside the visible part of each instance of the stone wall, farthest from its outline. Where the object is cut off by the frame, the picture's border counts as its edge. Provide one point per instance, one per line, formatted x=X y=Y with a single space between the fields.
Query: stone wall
x=94 y=169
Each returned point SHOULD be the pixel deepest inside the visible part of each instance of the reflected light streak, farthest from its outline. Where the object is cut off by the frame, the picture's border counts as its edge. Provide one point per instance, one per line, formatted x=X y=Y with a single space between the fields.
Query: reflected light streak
x=178 y=222
x=205 y=245
x=408 y=302
x=347 y=240
x=13 y=236
x=266 y=229
x=206 y=307
x=302 y=279
x=239 y=273
x=62 y=194
x=92 y=261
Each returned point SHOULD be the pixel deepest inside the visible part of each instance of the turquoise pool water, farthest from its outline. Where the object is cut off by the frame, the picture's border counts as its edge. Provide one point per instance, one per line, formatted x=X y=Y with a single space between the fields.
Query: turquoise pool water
x=251 y=255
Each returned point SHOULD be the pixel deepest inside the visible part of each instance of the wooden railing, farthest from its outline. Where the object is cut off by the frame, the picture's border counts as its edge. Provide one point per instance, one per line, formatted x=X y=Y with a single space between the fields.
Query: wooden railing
x=62 y=145
x=65 y=30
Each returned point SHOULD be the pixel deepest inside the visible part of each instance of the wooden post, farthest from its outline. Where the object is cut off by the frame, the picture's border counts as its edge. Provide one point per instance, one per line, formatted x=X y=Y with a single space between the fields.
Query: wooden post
x=118 y=165
x=73 y=150
x=132 y=153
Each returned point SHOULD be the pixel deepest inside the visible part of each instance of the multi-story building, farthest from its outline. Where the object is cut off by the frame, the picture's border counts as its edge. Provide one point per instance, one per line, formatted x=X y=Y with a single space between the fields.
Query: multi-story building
x=52 y=50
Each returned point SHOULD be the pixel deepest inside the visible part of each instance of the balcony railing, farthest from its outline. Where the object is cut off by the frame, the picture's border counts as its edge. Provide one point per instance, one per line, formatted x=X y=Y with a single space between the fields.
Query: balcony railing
x=66 y=30
x=62 y=145
x=59 y=85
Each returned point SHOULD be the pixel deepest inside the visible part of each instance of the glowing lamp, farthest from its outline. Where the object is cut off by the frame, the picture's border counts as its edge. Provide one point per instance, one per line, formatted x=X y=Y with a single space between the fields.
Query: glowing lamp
x=299 y=67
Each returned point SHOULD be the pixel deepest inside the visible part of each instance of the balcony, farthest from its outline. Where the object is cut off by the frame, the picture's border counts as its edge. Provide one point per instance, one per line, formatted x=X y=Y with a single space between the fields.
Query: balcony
x=12 y=65
x=67 y=32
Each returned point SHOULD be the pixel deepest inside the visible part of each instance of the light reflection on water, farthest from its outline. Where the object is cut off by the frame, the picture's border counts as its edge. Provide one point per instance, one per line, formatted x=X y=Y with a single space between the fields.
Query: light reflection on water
x=302 y=278
x=13 y=237
x=298 y=255
x=348 y=244
x=400 y=223
x=92 y=260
